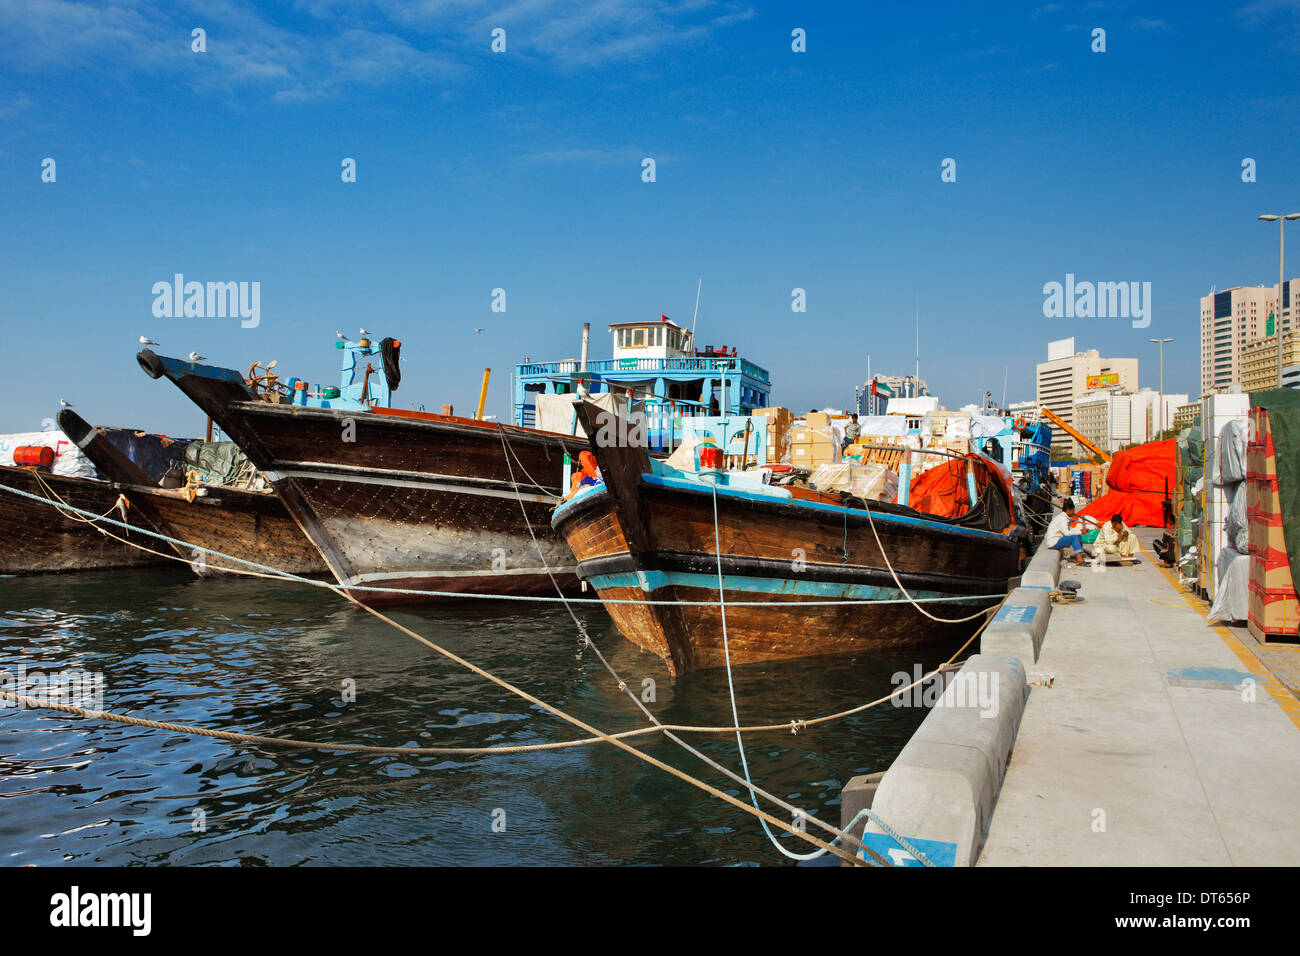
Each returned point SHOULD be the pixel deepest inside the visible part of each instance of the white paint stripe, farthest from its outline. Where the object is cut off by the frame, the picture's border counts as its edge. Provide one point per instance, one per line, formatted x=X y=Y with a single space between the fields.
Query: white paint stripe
x=421 y=575
x=404 y=483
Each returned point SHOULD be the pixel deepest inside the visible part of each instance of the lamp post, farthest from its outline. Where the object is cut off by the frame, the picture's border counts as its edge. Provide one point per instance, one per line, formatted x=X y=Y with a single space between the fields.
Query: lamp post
x=1161 y=413
x=1281 y=248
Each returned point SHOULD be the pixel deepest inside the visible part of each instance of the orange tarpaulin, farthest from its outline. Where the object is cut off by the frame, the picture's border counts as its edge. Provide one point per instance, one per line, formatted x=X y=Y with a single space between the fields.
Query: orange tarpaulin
x=1139 y=479
x=942 y=491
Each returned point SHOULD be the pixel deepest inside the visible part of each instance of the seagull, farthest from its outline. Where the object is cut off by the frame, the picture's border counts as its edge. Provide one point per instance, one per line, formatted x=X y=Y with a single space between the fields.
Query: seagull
x=272 y=364
x=196 y=357
x=144 y=340
x=65 y=404
x=478 y=331
x=364 y=333
x=342 y=337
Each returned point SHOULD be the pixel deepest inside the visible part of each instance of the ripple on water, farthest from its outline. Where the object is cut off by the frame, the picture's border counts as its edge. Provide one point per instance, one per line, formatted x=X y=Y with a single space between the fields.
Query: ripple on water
x=247 y=655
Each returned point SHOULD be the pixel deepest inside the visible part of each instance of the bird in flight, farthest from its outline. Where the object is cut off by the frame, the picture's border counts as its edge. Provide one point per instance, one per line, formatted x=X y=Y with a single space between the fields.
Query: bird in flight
x=478 y=331
x=364 y=333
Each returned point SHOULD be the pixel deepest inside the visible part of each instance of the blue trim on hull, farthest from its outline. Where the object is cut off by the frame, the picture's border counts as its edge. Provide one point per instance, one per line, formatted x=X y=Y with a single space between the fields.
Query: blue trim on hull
x=651 y=581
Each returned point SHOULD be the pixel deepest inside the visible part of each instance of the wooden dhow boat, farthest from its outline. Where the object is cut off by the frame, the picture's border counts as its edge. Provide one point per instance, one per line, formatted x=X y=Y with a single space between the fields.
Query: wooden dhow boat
x=650 y=533
x=49 y=538
x=398 y=503
x=241 y=522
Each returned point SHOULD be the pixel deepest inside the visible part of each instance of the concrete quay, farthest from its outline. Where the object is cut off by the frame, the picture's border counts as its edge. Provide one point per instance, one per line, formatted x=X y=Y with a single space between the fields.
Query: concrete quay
x=1150 y=737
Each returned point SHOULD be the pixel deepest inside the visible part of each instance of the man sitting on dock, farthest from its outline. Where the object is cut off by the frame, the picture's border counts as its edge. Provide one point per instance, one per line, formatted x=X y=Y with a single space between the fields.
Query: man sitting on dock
x=1061 y=534
x=1115 y=538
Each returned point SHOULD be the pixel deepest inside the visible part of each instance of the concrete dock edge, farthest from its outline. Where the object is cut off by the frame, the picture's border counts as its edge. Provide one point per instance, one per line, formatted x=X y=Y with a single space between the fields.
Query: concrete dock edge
x=1043 y=570
x=940 y=792
x=1020 y=625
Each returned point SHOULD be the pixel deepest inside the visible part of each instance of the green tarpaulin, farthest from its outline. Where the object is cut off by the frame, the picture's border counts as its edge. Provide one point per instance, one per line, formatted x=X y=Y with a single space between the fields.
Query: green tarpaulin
x=1283 y=406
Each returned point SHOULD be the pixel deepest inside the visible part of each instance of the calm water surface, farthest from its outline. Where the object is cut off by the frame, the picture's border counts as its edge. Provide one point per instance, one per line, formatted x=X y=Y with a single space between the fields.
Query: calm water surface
x=266 y=658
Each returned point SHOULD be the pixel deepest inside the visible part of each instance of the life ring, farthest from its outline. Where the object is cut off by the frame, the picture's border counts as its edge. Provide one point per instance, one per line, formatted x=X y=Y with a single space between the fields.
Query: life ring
x=1020 y=423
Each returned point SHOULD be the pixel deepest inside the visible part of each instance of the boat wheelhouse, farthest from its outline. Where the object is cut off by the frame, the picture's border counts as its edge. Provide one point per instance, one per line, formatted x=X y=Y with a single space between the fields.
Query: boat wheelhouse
x=658 y=366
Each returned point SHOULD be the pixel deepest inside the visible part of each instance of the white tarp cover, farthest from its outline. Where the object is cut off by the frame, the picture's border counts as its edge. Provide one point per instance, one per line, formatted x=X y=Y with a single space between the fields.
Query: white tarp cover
x=987 y=426
x=555 y=412
x=1236 y=526
x=68 y=459
x=886 y=426
x=872 y=480
x=1232 y=452
x=1232 y=597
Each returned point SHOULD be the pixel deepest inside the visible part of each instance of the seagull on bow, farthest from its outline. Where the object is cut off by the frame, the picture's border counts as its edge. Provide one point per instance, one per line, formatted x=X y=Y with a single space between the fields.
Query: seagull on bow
x=65 y=404
x=196 y=357
x=145 y=340
x=342 y=337
x=364 y=334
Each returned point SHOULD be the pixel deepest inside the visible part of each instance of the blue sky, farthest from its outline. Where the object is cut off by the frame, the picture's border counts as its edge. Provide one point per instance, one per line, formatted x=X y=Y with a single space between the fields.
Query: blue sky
x=775 y=170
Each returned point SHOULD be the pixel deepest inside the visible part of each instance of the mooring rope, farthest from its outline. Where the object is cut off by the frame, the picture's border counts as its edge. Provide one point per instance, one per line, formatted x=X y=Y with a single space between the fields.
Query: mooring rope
x=472 y=595
x=600 y=736
x=754 y=791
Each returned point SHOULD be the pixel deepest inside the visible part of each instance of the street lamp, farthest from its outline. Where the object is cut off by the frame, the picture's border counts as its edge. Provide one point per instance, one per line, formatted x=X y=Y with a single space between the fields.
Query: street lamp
x=1281 y=246
x=1161 y=414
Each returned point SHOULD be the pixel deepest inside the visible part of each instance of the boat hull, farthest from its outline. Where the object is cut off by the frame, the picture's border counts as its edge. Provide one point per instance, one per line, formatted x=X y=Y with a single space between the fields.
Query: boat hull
x=400 y=502
x=778 y=558
x=245 y=524
x=41 y=539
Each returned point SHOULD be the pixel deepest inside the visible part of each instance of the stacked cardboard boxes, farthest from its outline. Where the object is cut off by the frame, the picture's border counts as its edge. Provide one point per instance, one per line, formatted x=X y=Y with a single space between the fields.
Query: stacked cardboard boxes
x=779 y=422
x=1274 y=607
x=813 y=443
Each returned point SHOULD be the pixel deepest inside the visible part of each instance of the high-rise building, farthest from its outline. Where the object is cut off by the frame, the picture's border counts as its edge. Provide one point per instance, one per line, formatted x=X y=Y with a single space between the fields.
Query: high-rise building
x=1232 y=318
x=1068 y=375
x=1259 y=361
x=1113 y=418
x=887 y=387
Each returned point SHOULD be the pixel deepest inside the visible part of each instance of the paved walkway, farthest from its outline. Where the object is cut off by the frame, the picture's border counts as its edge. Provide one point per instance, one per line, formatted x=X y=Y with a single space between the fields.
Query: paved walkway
x=1149 y=747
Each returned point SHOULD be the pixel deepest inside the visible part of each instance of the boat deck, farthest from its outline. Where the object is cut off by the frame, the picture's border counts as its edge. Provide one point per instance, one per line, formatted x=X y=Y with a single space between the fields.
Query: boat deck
x=1145 y=721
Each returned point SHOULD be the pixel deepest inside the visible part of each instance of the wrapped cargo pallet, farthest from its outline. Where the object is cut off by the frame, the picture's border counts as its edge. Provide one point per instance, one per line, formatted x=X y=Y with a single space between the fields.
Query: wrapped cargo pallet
x=1273 y=509
x=871 y=481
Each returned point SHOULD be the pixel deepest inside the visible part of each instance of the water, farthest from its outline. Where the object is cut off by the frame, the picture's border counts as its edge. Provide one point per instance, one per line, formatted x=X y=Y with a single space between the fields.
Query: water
x=266 y=658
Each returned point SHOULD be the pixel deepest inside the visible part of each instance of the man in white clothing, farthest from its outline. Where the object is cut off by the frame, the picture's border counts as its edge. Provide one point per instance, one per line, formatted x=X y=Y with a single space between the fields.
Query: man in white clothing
x=1115 y=538
x=1062 y=534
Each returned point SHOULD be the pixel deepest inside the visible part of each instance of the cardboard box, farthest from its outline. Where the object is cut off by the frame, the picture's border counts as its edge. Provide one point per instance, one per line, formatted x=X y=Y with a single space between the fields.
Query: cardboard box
x=1266 y=535
x=1271 y=571
x=1273 y=615
x=1262 y=497
x=817 y=420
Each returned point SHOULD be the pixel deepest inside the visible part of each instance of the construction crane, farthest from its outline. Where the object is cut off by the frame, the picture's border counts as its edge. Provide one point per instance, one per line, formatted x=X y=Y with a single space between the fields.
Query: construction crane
x=1101 y=457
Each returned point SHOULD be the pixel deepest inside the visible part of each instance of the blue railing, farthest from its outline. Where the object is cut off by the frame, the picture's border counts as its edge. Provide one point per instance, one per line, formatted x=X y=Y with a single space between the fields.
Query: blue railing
x=601 y=366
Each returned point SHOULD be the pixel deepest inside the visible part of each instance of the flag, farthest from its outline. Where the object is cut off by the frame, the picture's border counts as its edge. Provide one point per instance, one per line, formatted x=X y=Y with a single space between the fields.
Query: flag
x=880 y=388
x=662 y=317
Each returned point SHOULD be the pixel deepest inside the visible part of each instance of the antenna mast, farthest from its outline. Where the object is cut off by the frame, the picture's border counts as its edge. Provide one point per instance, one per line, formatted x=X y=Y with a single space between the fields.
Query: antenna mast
x=696 y=316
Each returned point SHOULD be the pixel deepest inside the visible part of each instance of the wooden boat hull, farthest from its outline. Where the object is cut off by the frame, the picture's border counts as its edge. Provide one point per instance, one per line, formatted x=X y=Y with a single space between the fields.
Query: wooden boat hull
x=640 y=537
x=40 y=539
x=253 y=525
x=245 y=524
x=403 y=501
